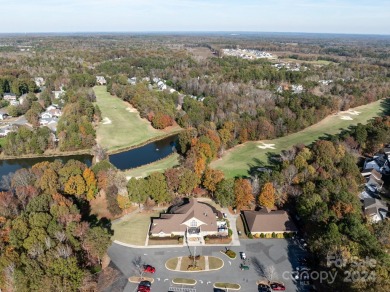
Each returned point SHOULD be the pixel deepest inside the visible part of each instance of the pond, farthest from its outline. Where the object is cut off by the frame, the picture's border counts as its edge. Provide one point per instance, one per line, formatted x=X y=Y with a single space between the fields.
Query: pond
x=146 y=154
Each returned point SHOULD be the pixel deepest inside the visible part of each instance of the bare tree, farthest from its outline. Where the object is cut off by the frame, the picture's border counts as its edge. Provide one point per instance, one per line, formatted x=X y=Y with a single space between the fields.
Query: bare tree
x=270 y=273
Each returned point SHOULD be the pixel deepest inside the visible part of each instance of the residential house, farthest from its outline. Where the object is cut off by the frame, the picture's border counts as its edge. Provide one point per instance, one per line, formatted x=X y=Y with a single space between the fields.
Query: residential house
x=3 y=116
x=191 y=218
x=132 y=80
x=58 y=93
x=374 y=210
x=39 y=81
x=5 y=130
x=101 y=80
x=161 y=85
x=9 y=97
x=297 y=88
x=379 y=162
x=268 y=221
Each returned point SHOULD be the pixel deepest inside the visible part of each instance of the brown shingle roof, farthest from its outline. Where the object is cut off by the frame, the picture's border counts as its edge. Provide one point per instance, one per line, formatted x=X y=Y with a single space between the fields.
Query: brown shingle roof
x=267 y=220
x=168 y=223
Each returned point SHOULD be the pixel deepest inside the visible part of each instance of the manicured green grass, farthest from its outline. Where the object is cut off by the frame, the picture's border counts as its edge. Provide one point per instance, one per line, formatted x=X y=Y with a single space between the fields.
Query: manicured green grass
x=121 y=125
x=238 y=161
x=2 y=141
x=133 y=230
x=159 y=166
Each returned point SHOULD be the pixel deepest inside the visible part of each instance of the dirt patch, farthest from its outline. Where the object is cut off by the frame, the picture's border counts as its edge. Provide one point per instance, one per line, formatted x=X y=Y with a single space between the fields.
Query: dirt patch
x=100 y=208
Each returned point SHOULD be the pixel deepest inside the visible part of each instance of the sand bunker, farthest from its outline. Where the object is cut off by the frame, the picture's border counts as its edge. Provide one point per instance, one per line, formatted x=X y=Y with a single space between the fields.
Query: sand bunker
x=266 y=146
x=106 y=121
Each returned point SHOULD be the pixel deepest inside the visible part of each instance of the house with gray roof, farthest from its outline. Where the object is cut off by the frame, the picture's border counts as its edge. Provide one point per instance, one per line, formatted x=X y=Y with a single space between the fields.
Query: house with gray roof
x=374 y=210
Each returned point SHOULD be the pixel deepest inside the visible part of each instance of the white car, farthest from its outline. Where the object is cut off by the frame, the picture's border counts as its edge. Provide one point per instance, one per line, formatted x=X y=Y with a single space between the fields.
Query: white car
x=242 y=255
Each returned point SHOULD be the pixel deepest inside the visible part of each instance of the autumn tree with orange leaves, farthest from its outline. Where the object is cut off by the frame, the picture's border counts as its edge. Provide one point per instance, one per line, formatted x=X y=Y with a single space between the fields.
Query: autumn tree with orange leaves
x=267 y=195
x=243 y=193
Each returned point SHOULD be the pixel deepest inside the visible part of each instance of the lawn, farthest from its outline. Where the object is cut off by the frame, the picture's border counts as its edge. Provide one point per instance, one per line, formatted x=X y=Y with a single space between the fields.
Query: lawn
x=2 y=140
x=227 y=286
x=159 y=166
x=183 y=281
x=134 y=229
x=121 y=125
x=238 y=161
x=171 y=264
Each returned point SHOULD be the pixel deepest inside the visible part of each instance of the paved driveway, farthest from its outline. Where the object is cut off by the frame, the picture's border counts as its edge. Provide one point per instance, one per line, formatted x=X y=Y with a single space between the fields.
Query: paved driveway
x=261 y=253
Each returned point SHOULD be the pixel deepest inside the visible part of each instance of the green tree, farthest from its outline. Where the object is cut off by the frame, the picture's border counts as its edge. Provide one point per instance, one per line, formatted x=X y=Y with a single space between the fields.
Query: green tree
x=224 y=193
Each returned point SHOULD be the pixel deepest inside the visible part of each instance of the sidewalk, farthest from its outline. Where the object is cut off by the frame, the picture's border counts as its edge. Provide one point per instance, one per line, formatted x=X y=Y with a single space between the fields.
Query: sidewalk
x=233 y=226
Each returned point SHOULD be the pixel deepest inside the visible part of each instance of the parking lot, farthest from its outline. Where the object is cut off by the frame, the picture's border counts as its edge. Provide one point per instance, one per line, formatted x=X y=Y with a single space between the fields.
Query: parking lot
x=281 y=254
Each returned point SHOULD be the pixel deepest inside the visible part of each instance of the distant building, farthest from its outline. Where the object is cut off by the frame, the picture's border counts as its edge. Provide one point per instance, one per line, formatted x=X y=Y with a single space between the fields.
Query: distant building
x=39 y=81
x=9 y=96
x=101 y=80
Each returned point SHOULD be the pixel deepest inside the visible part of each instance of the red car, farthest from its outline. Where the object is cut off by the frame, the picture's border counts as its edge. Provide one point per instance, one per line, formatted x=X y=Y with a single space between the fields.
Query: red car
x=143 y=289
x=277 y=286
x=149 y=269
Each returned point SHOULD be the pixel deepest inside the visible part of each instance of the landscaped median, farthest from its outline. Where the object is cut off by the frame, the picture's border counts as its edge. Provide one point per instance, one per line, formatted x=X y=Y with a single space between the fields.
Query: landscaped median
x=184 y=281
x=229 y=253
x=135 y=279
x=230 y=286
x=197 y=264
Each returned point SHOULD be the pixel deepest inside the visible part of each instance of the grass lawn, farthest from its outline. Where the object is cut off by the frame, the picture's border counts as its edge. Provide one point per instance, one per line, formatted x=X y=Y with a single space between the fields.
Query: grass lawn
x=171 y=264
x=122 y=127
x=2 y=140
x=215 y=263
x=134 y=229
x=238 y=161
x=159 y=166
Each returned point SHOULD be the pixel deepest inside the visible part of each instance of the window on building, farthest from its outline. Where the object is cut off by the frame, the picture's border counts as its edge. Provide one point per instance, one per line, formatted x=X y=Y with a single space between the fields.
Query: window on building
x=194 y=223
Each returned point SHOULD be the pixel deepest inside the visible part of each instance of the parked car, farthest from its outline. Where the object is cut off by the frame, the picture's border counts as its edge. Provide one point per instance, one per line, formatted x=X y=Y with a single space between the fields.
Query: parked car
x=149 y=269
x=145 y=284
x=263 y=288
x=219 y=290
x=277 y=286
x=244 y=267
x=224 y=215
x=143 y=289
x=242 y=255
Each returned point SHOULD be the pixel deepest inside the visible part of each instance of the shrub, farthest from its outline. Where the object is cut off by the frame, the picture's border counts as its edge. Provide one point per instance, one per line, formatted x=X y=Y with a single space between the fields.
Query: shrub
x=180 y=239
x=257 y=235
x=262 y=235
x=267 y=235
x=206 y=238
x=250 y=235
x=231 y=254
x=230 y=232
x=280 y=235
x=273 y=235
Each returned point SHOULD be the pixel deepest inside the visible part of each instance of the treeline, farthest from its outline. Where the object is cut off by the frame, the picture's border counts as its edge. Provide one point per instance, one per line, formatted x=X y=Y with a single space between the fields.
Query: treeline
x=16 y=81
x=75 y=130
x=159 y=107
x=46 y=243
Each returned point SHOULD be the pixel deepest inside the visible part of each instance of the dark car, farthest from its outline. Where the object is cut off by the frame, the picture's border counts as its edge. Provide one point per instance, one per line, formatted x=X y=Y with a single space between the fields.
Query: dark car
x=149 y=269
x=244 y=267
x=263 y=288
x=219 y=290
x=277 y=286
x=144 y=284
x=143 y=289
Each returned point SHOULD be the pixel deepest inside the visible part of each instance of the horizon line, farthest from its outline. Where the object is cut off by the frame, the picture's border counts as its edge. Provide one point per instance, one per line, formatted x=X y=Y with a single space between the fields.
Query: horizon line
x=189 y=31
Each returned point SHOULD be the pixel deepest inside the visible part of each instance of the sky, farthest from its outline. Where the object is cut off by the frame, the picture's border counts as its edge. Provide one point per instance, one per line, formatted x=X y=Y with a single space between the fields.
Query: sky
x=317 y=16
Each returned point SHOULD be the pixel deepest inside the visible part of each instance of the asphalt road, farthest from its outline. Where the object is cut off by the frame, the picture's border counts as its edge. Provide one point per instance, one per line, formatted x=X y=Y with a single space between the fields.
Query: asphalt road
x=261 y=253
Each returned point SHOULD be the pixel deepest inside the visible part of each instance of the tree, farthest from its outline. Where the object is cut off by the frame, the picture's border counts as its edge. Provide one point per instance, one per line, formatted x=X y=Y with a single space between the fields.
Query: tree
x=267 y=195
x=172 y=176
x=243 y=193
x=49 y=181
x=137 y=189
x=90 y=183
x=96 y=242
x=188 y=181
x=75 y=185
x=224 y=193
x=211 y=178
x=157 y=188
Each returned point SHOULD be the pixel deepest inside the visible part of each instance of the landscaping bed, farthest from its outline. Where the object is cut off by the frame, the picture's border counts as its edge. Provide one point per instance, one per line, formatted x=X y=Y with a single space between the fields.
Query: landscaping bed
x=229 y=253
x=222 y=285
x=217 y=239
x=187 y=264
x=183 y=281
x=165 y=240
